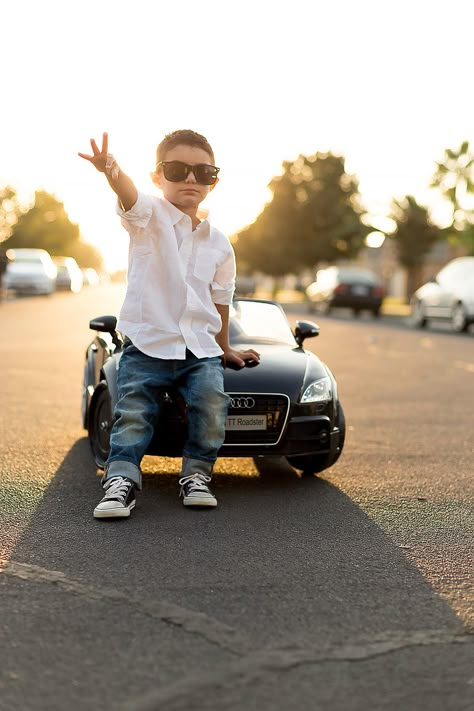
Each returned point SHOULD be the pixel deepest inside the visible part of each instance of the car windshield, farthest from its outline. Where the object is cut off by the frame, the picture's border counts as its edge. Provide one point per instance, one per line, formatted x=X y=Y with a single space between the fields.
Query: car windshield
x=25 y=259
x=259 y=322
x=356 y=276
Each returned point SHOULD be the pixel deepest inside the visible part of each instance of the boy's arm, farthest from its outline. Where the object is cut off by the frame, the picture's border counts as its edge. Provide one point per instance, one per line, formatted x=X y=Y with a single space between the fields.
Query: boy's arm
x=222 y=338
x=121 y=184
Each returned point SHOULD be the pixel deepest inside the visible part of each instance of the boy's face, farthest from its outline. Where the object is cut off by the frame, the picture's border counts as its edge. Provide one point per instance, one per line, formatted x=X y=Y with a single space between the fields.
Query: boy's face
x=187 y=194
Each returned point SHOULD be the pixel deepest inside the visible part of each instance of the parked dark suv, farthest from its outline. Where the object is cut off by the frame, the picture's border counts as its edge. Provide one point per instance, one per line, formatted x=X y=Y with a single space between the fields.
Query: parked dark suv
x=353 y=288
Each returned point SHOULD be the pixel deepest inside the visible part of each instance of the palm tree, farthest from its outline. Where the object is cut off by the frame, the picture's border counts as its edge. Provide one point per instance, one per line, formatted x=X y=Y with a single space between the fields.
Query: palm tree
x=454 y=178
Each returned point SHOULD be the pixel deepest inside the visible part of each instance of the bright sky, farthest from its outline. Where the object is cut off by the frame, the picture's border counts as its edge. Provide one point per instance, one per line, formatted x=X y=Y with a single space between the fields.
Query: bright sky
x=386 y=83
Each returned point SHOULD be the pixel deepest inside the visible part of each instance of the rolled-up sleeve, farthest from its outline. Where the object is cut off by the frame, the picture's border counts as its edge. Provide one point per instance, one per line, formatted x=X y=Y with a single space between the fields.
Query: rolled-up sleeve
x=223 y=285
x=139 y=215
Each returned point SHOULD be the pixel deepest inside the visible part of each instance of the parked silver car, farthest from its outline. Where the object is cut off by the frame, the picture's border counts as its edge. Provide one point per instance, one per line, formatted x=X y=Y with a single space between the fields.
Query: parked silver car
x=449 y=296
x=30 y=271
x=69 y=275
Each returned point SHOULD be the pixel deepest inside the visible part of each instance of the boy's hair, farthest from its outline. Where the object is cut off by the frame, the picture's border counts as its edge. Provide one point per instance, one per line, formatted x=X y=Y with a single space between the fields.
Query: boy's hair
x=180 y=137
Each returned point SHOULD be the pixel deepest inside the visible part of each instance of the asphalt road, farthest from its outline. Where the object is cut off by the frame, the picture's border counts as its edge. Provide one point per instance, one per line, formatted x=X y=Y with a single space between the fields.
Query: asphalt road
x=345 y=592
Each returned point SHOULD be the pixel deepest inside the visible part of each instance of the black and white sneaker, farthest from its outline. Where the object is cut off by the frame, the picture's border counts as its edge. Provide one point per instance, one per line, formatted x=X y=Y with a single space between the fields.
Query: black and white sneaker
x=195 y=491
x=119 y=498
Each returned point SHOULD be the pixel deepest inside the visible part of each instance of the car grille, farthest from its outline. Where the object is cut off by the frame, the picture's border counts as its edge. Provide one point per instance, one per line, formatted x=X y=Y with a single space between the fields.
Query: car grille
x=256 y=407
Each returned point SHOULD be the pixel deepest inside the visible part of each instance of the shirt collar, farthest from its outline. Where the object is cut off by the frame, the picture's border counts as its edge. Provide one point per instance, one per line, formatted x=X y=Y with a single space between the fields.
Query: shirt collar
x=176 y=214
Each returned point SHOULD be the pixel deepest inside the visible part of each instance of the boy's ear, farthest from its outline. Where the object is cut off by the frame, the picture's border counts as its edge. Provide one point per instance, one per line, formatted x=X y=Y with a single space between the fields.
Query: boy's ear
x=214 y=185
x=156 y=178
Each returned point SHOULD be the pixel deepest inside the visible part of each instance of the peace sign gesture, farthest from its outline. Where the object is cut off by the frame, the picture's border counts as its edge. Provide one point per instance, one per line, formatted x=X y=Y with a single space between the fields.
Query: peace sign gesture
x=99 y=157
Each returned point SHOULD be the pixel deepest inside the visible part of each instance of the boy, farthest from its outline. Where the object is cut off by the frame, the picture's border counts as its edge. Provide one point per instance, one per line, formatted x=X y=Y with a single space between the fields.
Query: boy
x=175 y=319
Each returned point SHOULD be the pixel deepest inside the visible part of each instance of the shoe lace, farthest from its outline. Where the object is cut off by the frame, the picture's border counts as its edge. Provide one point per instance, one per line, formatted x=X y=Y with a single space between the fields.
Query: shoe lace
x=195 y=482
x=117 y=487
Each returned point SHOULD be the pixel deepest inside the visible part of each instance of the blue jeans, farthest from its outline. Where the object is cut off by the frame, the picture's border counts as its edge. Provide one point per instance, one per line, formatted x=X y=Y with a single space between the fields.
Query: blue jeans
x=141 y=380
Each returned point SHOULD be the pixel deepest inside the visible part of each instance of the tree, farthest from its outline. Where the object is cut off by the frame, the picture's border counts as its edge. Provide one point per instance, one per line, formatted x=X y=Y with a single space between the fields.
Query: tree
x=332 y=228
x=266 y=245
x=9 y=211
x=414 y=237
x=86 y=255
x=454 y=178
x=46 y=225
x=314 y=215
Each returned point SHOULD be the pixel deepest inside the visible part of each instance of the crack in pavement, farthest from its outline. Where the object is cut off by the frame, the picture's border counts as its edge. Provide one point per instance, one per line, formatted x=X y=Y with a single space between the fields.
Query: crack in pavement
x=252 y=664
x=255 y=665
x=191 y=621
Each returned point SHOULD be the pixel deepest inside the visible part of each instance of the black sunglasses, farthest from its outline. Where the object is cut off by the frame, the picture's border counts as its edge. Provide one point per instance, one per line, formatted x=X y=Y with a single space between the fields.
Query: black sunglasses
x=176 y=172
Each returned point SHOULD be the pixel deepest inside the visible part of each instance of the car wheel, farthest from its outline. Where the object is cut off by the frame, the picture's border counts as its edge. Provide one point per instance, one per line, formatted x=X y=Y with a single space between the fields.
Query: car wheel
x=459 y=322
x=356 y=312
x=376 y=312
x=100 y=424
x=418 y=317
x=316 y=463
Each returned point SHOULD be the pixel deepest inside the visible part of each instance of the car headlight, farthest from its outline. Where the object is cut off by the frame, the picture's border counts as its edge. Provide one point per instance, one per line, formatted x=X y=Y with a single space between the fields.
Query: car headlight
x=319 y=391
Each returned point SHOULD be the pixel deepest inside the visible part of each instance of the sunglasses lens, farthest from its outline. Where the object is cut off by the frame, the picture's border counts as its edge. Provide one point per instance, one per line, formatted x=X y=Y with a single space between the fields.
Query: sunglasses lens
x=174 y=171
x=205 y=174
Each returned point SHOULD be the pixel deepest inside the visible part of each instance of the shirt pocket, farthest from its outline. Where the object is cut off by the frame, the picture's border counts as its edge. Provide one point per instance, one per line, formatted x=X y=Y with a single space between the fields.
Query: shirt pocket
x=141 y=247
x=206 y=265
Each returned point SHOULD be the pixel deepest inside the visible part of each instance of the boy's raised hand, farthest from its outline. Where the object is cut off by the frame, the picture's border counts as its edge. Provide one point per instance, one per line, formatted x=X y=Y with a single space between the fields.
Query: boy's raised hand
x=98 y=157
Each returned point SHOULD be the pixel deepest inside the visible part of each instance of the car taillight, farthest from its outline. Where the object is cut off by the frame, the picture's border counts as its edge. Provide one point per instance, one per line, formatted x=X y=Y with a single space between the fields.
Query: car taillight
x=379 y=291
x=340 y=289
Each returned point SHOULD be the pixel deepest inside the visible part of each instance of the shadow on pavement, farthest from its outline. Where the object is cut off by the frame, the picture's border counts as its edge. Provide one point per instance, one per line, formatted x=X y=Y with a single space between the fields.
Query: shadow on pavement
x=120 y=608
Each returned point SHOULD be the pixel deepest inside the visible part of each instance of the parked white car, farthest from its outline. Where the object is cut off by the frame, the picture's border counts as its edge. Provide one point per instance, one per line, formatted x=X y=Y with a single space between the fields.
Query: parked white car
x=30 y=271
x=90 y=277
x=449 y=296
x=69 y=275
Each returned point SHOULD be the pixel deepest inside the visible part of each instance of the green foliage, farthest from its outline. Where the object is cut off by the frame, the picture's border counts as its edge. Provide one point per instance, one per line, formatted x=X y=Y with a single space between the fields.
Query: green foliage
x=415 y=234
x=414 y=237
x=454 y=178
x=86 y=255
x=9 y=211
x=314 y=215
x=46 y=225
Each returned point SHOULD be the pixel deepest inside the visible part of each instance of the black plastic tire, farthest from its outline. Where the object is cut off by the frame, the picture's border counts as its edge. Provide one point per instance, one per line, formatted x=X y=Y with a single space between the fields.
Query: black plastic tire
x=459 y=322
x=418 y=317
x=100 y=424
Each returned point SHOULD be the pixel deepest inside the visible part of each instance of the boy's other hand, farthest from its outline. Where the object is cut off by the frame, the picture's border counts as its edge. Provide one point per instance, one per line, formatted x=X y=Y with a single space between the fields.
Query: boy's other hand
x=98 y=157
x=239 y=359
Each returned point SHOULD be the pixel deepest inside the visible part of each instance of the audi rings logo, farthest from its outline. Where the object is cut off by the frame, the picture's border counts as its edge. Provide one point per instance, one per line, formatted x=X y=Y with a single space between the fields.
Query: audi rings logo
x=243 y=403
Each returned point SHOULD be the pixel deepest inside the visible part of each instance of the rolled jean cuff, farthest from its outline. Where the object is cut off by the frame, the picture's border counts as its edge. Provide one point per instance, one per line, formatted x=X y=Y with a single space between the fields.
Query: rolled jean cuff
x=125 y=469
x=196 y=466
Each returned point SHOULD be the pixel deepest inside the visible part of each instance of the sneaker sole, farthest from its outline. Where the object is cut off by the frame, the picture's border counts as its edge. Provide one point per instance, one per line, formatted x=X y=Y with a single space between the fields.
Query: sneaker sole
x=194 y=501
x=122 y=512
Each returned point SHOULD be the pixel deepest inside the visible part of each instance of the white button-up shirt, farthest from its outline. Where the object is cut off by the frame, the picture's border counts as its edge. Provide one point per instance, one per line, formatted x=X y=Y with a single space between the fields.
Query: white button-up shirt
x=175 y=276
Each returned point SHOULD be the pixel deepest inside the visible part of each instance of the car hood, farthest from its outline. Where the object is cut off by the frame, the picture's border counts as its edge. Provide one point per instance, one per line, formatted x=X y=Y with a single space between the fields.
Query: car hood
x=282 y=369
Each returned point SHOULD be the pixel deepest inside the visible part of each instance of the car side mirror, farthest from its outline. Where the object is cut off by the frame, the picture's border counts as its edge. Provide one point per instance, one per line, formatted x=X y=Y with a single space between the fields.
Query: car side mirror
x=305 y=329
x=107 y=324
